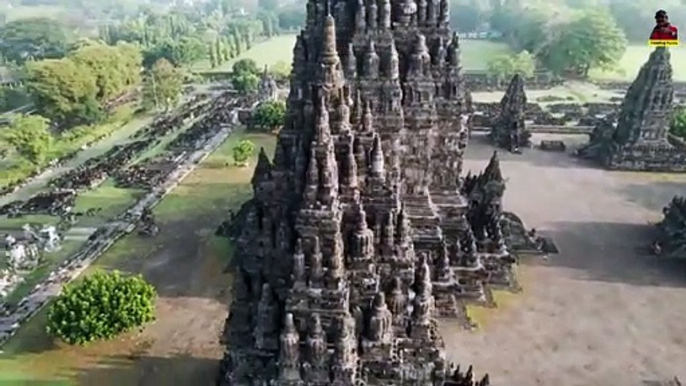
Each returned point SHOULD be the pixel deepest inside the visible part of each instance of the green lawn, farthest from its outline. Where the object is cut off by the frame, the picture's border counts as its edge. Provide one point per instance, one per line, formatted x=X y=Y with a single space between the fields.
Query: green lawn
x=270 y=52
x=636 y=56
x=111 y=200
x=476 y=54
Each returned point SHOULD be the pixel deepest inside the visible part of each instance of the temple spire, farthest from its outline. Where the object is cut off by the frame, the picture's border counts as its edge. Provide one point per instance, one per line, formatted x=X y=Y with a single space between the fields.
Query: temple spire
x=378 y=169
x=323 y=126
x=329 y=52
x=263 y=167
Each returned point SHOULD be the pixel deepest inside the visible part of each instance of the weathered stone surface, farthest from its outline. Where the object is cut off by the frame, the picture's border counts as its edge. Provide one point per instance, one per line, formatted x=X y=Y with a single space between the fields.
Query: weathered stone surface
x=267 y=89
x=361 y=230
x=509 y=130
x=672 y=238
x=639 y=140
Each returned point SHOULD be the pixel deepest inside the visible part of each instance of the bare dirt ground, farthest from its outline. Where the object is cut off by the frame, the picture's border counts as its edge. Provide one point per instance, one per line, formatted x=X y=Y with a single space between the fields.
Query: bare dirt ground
x=602 y=312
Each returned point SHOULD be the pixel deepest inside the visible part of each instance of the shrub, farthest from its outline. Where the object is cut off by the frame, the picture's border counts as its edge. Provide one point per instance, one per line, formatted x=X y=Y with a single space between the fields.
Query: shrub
x=101 y=306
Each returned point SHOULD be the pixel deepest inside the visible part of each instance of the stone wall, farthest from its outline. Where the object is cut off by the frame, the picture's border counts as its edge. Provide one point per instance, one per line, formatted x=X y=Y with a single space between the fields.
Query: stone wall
x=480 y=81
x=646 y=157
x=547 y=129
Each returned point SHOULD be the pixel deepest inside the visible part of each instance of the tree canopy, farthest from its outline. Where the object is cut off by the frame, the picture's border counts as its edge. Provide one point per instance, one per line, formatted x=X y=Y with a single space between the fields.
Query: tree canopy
x=163 y=86
x=678 y=124
x=506 y=66
x=593 y=40
x=30 y=137
x=76 y=89
x=115 y=68
x=245 y=75
x=269 y=115
x=64 y=91
x=33 y=39
x=242 y=152
x=101 y=306
x=185 y=51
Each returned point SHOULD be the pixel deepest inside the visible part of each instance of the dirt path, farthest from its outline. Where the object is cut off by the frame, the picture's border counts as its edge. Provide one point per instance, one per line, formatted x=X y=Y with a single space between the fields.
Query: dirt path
x=603 y=312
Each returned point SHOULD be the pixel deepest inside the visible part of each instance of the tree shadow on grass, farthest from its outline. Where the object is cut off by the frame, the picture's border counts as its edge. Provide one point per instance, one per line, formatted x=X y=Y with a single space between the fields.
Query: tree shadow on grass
x=613 y=252
x=146 y=370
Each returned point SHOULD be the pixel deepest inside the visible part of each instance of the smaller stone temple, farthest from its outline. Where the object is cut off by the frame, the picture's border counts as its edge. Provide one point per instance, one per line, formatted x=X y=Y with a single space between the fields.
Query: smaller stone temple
x=267 y=89
x=509 y=131
x=639 y=140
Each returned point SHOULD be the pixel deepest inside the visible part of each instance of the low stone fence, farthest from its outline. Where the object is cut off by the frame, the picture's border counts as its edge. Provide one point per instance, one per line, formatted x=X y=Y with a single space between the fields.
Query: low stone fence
x=547 y=129
x=481 y=81
x=106 y=236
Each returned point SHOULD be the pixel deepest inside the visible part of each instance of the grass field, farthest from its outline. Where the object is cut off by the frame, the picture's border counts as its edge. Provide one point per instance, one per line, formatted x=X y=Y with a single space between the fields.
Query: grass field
x=277 y=50
x=475 y=57
x=636 y=56
x=184 y=261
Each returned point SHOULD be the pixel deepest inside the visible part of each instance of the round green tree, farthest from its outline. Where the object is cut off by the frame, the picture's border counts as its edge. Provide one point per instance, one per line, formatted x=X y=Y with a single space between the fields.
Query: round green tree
x=101 y=306
x=270 y=115
x=243 y=151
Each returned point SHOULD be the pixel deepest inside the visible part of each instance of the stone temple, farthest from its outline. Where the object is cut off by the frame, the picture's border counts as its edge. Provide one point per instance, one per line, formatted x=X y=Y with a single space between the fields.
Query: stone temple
x=509 y=130
x=639 y=140
x=361 y=231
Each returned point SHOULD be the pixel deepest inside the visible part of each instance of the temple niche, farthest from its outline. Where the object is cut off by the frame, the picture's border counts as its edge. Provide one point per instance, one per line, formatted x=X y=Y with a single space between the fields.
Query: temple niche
x=509 y=131
x=639 y=140
x=361 y=230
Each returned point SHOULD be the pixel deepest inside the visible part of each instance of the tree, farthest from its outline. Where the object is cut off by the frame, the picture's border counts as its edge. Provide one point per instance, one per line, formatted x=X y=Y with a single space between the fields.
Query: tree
x=101 y=306
x=163 y=85
x=64 y=91
x=465 y=17
x=524 y=28
x=33 y=39
x=593 y=40
x=213 y=55
x=245 y=82
x=225 y=50
x=244 y=66
x=291 y=18
x=280 y=71
x=30 y=137
x=270 y=115
x=245 y=75
x=185 y=51
x=238 y=47
x=116 y=68
x=678 y=124
x=506 y=66
x=242 y=152
x=218 y=51
x=629 y=15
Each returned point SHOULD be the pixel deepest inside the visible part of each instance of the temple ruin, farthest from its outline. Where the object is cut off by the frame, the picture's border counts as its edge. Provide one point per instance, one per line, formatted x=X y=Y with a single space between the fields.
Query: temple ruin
x=509 y=130
x=639 y=140
x=362 y=231
x=671 y=240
